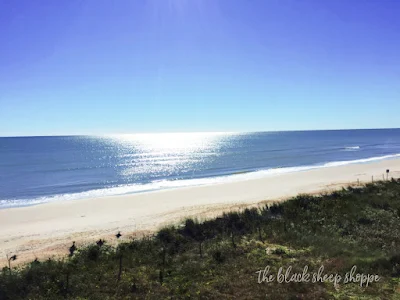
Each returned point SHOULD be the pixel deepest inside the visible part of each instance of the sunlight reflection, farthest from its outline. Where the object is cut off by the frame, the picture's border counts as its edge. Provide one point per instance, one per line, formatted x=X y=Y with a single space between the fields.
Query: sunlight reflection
x=178 y=142
x=167 y=153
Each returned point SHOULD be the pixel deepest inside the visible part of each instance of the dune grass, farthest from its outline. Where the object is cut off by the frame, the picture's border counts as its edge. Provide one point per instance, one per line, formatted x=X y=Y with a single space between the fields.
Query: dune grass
x=219 y=258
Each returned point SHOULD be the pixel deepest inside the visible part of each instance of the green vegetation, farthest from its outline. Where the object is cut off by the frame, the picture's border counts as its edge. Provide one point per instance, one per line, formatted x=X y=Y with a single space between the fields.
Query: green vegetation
x=218 y=259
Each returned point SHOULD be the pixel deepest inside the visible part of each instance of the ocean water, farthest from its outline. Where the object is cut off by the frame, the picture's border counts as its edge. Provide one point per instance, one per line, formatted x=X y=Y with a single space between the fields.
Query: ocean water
x=40 y=169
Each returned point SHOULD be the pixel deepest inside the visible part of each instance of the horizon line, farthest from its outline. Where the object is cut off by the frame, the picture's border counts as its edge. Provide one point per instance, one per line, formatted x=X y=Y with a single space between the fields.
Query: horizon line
x=180 y=132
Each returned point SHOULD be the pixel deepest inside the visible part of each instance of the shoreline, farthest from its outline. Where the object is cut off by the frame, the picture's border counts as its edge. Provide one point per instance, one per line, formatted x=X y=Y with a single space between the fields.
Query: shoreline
x=188 y=183
x=47 y=229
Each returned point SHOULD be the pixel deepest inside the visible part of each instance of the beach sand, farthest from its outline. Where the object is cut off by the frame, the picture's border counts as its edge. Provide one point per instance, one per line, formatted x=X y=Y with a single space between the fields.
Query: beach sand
x=47 y=230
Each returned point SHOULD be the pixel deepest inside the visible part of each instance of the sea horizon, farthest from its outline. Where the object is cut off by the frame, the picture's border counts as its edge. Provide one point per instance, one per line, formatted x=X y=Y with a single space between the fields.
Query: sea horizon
x=216 y=131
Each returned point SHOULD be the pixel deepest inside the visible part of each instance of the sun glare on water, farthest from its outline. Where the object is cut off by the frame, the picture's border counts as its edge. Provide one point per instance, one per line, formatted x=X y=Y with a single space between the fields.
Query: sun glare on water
x=167 y=152
x=172 y=142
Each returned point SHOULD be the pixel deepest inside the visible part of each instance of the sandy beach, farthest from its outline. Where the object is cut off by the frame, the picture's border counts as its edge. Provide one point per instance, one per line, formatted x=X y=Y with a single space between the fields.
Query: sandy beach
x=46 y=230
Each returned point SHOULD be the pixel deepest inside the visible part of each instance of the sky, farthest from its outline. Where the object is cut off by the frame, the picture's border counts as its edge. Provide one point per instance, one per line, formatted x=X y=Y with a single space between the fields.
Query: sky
x=129 y=66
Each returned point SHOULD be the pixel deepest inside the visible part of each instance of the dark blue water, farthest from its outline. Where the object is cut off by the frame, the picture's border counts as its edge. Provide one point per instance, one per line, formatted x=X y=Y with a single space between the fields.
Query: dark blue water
x=40 y=169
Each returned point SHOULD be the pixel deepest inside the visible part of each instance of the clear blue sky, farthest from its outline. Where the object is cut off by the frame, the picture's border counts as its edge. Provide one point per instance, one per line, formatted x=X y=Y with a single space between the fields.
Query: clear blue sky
x=95 y=66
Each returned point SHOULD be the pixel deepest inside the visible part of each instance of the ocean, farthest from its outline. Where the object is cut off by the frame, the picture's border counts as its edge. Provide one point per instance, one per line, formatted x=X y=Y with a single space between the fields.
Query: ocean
x=35 y=170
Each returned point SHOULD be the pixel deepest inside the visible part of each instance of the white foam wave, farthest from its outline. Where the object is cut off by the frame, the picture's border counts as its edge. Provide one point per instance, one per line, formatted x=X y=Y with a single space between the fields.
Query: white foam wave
x=358 y=161
x=352 y=148
x=172 y=184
